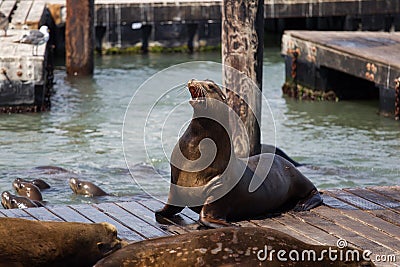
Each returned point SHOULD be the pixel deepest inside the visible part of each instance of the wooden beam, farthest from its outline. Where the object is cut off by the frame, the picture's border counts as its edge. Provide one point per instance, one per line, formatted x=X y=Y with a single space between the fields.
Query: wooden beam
x=79 y=37
x=242 y=50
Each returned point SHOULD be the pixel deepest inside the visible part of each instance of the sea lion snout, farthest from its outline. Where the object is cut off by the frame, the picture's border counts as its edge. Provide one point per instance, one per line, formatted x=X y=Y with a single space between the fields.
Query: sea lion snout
x=205 y=89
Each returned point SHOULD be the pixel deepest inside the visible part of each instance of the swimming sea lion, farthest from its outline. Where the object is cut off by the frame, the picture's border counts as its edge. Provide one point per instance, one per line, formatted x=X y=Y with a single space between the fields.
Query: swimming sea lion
x=231 y=246
x=38 y=182
x=10 y=201
x=226 y=188
x=28 y=190
x=85 y=188
x=51 y=169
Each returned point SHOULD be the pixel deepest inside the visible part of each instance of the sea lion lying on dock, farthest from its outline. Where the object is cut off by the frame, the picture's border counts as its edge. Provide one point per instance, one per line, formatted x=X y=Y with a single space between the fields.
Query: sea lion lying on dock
x=85 y=188
x=34 y=243
x=208 y=177
x=230 y=246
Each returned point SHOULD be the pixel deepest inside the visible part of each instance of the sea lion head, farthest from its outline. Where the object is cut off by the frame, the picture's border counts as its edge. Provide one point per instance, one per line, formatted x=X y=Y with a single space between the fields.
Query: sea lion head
x=85 y=188
x=7 y=200
x=27 y=189
x=201 y=91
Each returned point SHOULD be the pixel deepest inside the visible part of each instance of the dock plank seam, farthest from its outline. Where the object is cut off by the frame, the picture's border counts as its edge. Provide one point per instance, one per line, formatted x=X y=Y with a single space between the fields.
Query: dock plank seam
x=142 y=224
x=382 y=213
x=167 y=230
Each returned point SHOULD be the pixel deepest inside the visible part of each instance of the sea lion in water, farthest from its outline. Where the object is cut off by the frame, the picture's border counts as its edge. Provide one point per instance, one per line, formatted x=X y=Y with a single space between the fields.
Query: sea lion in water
x=51 y=169
x=85 y=188
x=10 y=201
x=38 y=182
x=28 y=190
x=230 y=246
x=225 y=189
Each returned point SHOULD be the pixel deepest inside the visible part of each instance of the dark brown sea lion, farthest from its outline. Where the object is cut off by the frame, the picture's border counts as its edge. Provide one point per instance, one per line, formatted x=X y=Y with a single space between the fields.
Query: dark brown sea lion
x=85 y=188
x=10 y=201
x=51 y=169
x=38 y=182
x=277 y=151
x=220 y=186
x=28 y=190
x=247 y=246
x=34 y=243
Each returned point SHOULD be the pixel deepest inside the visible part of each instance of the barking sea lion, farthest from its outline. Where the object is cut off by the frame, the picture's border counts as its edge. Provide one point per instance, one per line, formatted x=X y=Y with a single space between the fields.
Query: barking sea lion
x=208 y=177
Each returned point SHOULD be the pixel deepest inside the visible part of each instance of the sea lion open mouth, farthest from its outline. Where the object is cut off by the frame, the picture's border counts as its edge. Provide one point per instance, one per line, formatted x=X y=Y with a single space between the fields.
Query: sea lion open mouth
x=197 y=91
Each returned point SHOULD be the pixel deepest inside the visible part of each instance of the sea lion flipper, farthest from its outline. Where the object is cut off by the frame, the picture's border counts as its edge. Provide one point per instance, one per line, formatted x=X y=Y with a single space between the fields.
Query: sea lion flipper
x=313 y=200
x=209 y=218
x=168 y=211
x=214 y=223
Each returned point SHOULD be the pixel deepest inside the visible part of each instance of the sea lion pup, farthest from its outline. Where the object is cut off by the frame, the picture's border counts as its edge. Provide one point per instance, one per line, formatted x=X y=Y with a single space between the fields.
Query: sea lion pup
x=232 y=246
x=85 y=188
x=28 y=190
x=38 y=182
x=10 y=201
x=227 y=188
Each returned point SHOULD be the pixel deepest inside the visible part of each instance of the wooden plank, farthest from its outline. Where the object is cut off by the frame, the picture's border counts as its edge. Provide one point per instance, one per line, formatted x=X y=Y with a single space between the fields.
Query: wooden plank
x=68 y=214
x=364 y=204
x=154 y=205
x=336 y=203
x=355 y=226
x=18 y=213
x=277 y=224
x=35 y=14
x=375 y=198
x=354 y=200
x=21 y=13
x=147 y=215
x=392 y=192
x=297 y=224
x=373 y=221
x=42 y=214
x=97 y=216
x=7 y=7
x=351 y=237
x=131 y=221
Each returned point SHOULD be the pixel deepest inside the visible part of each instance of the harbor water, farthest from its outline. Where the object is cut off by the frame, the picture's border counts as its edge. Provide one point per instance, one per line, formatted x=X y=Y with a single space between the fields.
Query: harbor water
x=342 y=144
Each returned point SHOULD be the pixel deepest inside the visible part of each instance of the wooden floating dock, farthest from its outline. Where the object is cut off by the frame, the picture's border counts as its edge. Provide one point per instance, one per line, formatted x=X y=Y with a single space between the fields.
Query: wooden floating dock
x=367 y=218
x=332 y=60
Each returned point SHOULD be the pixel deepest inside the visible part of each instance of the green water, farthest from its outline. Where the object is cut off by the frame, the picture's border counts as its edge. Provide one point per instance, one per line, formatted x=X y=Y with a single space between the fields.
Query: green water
x=346 y=144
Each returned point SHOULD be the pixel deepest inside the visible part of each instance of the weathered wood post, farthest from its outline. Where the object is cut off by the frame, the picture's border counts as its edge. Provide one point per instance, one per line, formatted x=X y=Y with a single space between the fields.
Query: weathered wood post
x=79 y=37
x=242 y=49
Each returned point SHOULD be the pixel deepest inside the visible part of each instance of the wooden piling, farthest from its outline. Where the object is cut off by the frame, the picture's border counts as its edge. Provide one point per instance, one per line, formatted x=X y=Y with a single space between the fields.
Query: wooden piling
x=242 y=49
x=79 y=37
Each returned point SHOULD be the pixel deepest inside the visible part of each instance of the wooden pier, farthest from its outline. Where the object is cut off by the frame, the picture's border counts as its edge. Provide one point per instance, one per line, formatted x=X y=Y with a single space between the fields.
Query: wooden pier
x=355 y=65
x=25 y=78
x=367 y=218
